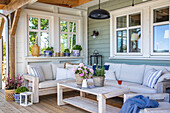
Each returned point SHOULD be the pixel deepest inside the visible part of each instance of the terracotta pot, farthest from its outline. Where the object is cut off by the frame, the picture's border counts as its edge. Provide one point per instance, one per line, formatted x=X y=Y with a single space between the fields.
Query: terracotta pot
x=35 y=50
x=78 y=79
x=98 y=81
x=9 y=94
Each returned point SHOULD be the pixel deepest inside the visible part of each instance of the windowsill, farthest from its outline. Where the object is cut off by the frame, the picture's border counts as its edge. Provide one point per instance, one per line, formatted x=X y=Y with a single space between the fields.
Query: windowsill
x=140 y=58
x=43 y=57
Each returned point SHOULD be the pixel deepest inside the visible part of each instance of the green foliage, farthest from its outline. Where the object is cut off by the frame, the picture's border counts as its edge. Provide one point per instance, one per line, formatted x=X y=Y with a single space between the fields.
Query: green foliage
x=21 y=90
x=100 y=71
x=77 y=47
x=49 y=49
x=66 y=51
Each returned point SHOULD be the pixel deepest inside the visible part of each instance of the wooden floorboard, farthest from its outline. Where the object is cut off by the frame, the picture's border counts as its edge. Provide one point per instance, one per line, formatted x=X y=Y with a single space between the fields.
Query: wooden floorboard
x=48 y=104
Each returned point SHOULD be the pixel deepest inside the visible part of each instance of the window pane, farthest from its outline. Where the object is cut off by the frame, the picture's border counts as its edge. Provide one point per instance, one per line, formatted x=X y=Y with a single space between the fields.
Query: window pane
x=72 y=40
x=134 y=20
x=33 y=23
x=44 y=24
x=72 y=27
x=161 y=38
x=135 y=40
x=44 y=41
x=121 y=22
x=63 y=26
x=63 y=42
x=122 y=41
x=33 y=39
x=161 y=15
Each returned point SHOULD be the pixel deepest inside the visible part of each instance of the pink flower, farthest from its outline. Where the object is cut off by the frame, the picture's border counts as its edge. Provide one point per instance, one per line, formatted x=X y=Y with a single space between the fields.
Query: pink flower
x=85 y=67
x=82 y=74
x=81 y=64
x=79 y=69
x=74 y=70
x=85 y=71
x=91 y=70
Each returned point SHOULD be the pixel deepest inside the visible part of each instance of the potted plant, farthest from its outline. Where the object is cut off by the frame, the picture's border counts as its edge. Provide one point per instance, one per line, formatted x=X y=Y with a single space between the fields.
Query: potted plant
x=76 y=50
x=11 y=85
x=66 y=52
x=48 y=52
x=99 y=78
x=82 y=73
x=17 y=93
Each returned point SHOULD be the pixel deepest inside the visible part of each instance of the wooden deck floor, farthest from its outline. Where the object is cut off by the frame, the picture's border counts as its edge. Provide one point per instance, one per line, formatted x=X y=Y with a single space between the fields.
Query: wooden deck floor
x=48 y=104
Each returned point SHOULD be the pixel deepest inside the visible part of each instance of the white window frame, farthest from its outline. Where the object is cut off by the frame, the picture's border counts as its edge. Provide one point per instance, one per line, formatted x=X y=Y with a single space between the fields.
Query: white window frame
x=68 y=31
x=38 y=30
x=157 y=24
x=127 y=29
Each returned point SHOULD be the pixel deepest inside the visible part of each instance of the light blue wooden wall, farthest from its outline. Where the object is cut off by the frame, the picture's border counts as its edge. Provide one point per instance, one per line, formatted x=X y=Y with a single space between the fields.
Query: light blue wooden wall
x=102 y=42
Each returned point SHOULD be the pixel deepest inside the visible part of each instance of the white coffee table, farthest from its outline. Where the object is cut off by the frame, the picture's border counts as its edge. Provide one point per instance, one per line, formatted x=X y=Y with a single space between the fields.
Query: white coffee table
x=102 y=94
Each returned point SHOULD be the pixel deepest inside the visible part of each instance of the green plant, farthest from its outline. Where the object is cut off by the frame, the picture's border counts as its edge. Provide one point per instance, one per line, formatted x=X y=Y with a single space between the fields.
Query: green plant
x=66 y=51
x=49 y=49
x=100 y=71
x=77 y=47
x=21 y=90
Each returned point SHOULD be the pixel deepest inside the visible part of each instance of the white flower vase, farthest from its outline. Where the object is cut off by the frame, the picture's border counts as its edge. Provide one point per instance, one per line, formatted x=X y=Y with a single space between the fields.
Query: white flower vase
x=84 y=84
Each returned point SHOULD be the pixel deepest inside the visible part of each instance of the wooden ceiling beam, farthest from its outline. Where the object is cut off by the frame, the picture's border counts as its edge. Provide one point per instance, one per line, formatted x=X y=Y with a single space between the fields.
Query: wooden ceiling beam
x=2 y=22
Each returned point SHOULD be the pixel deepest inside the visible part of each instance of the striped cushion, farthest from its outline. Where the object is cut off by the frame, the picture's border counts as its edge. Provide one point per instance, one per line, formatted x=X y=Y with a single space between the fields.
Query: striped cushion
x=37 y=72
x=152 y=77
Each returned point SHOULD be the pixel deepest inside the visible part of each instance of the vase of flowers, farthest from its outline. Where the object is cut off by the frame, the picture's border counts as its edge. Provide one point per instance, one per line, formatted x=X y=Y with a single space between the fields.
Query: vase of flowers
x=82 y=73
x=10 y=86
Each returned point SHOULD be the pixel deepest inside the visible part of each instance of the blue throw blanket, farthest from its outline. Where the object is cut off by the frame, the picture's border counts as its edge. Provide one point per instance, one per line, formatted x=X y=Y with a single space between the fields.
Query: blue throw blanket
x=134 y=104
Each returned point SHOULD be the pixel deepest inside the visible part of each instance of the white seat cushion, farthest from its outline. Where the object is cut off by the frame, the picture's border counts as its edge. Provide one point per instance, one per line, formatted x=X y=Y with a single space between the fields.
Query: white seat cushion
x=47 y=69
x=54 y=68
x=48 y=83
x=137 y=88
x=132 y=73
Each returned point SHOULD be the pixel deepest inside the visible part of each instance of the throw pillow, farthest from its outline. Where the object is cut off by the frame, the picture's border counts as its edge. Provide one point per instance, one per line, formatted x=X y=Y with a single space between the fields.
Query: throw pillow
x=61 y=73
x=70 y=73
x=37 y=72
x=152 y=77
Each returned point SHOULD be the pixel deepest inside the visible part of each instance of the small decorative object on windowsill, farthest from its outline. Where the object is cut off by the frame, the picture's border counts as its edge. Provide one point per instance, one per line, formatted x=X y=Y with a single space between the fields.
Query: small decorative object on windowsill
x=95 y=34
x=17 y=93
x=76 y=50
x=26 y=99
x=57 y=54
x=67 y=52
x=99 y=78
x=35 y=49
x=48 y=52
x=61 y=54
x=81 y=73
x=11 y=85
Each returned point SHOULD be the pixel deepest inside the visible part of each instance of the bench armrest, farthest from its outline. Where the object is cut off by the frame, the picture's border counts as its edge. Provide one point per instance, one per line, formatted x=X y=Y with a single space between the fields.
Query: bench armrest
x=162 y=86
x=35 y=85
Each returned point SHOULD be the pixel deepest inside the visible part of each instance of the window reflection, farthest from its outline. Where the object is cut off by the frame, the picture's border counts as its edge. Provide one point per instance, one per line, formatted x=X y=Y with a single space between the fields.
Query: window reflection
x=134 y=20
x=161 y=15
x=121 y=22
x=122 y=41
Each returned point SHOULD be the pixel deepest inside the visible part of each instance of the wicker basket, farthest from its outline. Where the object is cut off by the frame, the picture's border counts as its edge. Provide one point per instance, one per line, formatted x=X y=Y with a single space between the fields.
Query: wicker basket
x=78 y=79
x=9 y=95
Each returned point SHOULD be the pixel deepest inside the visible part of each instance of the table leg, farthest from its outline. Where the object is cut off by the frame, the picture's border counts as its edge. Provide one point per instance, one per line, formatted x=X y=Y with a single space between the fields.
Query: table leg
x=101 y=104
x=82 y=94
x=59 y=95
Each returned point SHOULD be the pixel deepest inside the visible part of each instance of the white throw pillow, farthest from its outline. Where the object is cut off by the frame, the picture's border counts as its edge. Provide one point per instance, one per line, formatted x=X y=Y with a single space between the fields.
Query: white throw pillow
x=37 y=72
x=61 y=73
x=54 y=68
x=47 y=69
x=152 y=77
x=71 y=66
x=70 y=73
x=110 y=75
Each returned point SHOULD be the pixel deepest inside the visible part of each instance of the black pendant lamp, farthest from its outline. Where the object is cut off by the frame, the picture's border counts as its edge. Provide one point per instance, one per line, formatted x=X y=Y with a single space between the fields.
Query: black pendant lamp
x=99 y=13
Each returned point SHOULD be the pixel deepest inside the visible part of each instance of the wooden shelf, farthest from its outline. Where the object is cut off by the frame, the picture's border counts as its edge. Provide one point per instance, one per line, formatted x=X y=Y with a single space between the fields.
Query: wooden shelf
x=89 y=105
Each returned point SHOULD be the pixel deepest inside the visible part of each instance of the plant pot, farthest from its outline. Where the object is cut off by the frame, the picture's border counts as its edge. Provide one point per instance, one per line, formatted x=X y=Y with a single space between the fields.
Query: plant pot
x=98 y=81
x=78 y=79
x=66 y=54
x=76 y=53
x=17 y=98
x=9 y=95
x=48 y=53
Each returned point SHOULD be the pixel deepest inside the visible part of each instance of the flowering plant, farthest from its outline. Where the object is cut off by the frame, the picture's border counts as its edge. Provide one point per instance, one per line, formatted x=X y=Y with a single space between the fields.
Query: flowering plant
x=14 y=83
x=83 y=71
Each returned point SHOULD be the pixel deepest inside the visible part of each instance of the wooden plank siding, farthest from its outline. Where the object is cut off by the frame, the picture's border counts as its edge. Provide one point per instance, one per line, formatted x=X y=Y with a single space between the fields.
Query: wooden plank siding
x=102 y=42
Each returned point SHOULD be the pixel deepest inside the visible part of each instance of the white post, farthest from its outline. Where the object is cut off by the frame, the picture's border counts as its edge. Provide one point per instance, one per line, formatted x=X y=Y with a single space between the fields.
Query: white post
x=101 y=104
x=59 y=95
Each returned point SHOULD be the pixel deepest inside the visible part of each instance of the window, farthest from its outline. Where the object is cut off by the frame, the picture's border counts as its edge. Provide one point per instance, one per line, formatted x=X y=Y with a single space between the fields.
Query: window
x=128 y=33
x=160 y=26
x=38 y=32
x=68 y=34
